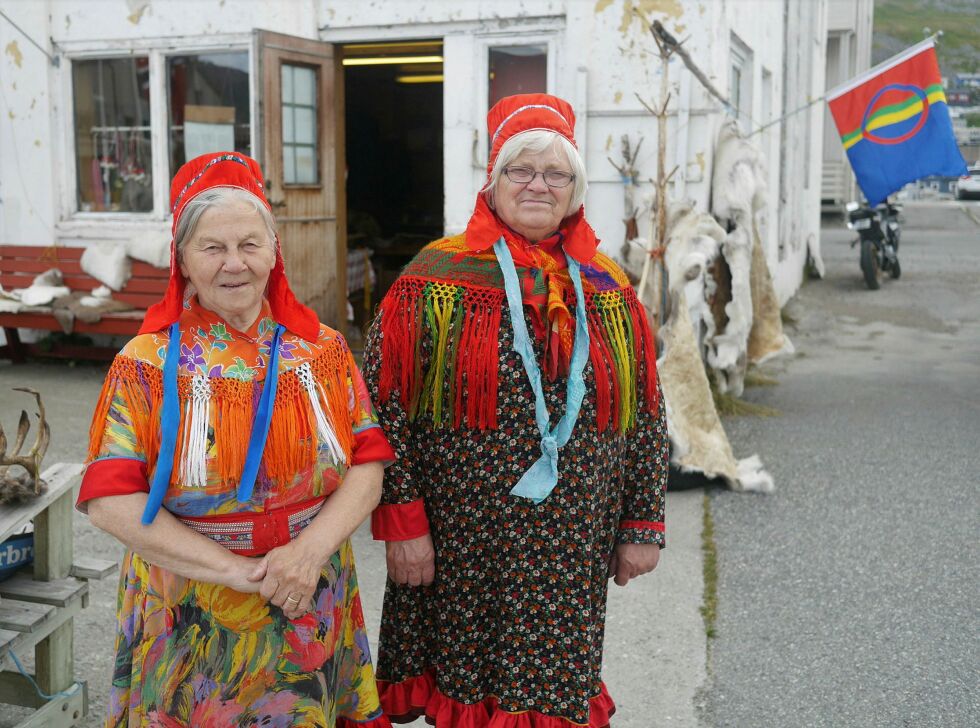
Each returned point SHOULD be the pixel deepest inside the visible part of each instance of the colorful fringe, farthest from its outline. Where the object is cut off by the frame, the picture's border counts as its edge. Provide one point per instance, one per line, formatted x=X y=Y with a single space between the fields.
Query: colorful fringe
x=293 y=433
x=447 y=305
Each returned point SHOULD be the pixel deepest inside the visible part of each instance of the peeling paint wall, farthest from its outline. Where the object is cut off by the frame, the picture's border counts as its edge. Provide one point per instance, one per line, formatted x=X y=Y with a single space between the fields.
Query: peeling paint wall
x=27 y=209
x=602 y=56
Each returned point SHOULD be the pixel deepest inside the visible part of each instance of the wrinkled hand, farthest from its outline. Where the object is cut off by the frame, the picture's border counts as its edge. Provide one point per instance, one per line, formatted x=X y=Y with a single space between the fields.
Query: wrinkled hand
x=288 y=579
x=240 y=578
x=411 y=562
x=630 y=560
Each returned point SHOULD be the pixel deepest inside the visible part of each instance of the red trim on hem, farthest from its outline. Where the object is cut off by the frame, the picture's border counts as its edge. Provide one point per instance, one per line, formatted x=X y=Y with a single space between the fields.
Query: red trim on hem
x=410 y=699
x=371 y=445
x=112 y=476
x=652 y=525
x=399 y=521
x=380 y=722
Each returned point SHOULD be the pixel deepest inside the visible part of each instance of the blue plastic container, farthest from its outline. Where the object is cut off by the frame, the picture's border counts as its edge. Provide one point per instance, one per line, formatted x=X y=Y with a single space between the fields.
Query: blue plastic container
x=15 y=552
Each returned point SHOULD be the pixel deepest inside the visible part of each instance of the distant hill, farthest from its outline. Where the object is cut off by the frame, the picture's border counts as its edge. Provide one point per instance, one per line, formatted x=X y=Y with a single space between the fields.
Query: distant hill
x=899 y=24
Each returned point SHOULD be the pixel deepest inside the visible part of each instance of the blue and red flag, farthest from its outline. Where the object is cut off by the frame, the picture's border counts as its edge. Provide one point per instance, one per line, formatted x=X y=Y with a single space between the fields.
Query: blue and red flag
x=894 y=123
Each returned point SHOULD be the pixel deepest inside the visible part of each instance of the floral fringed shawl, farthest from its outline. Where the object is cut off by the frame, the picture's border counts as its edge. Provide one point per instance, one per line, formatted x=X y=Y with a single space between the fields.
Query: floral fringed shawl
x=454 y=297
x=321 y=414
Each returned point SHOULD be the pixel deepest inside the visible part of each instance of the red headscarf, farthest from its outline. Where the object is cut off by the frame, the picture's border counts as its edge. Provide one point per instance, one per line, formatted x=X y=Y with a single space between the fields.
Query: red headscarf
x=226 y=169
x=509 y=117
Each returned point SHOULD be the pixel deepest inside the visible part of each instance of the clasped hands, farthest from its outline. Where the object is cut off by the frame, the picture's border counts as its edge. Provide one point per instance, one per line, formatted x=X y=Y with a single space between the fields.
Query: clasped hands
x=285 y=577
x=413 y=562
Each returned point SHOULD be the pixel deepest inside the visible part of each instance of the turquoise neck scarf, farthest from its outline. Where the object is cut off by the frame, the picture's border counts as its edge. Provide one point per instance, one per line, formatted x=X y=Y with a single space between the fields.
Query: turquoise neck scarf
x=541 y=478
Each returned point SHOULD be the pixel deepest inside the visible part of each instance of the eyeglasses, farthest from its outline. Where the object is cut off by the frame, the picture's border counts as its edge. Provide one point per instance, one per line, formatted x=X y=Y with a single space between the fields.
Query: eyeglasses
x=552 y=178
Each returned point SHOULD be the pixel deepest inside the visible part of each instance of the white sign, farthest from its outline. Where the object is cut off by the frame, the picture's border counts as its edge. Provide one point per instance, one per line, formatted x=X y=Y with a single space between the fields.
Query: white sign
x=201 y=138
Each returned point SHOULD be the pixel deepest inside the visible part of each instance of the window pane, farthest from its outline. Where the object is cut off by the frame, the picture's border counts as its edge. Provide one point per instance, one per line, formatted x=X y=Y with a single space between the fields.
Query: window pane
x=288 y=125
x=287 y=84
x=518 y=70
x=209 y=105
x=304 y=86
x=288 y=163
x=300 y=133
x=306 y=165
x=305 y=126
x=112 y=134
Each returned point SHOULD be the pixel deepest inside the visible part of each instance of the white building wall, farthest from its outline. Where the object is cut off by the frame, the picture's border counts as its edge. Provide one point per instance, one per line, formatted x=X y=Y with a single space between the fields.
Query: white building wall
x=849 y=30
x=28 y=211
x=601 y=55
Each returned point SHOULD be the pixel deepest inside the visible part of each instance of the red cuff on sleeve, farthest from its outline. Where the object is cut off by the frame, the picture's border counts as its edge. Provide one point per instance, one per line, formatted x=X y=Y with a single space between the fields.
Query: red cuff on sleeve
x=399 y=521
x=652 y=525
x=112 y=476
x=371 y=445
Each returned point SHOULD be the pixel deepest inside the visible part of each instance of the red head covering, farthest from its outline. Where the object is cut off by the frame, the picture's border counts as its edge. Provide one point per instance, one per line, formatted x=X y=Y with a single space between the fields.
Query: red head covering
x=514 y=115
x=226 y=169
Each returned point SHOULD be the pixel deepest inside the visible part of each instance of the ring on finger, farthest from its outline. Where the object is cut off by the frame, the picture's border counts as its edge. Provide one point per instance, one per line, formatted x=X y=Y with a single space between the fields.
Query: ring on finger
x=293 y=599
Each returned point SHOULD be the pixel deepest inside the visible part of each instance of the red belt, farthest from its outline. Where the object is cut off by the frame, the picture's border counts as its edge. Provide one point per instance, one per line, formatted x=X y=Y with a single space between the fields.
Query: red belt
x=254 y=534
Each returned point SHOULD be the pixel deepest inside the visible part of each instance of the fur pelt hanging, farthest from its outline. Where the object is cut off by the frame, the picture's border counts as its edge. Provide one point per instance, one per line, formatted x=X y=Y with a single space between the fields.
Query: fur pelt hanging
x=698 y=440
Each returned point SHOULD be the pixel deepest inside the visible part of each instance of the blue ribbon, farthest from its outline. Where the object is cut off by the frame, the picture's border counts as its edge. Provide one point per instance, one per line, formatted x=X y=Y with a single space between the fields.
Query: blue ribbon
x=541 y=478
x=260 y=427
x=170 y=424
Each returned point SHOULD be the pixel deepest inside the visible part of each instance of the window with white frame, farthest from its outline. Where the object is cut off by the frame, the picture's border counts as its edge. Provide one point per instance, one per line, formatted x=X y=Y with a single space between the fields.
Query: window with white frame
x=740 y=83
x=515 y=65
x=116 y=122
x=208 y=99
x=517 y=69
x=113 y=153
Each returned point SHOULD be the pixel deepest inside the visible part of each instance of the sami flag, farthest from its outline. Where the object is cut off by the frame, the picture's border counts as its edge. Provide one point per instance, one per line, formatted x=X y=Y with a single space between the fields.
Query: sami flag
x=894 y=123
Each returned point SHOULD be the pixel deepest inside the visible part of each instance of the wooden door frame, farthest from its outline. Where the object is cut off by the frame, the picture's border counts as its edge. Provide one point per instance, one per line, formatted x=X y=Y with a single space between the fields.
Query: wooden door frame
x=330 y=117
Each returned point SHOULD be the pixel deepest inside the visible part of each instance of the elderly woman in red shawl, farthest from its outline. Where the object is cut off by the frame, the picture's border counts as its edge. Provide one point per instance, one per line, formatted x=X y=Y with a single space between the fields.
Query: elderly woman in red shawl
x=233 y=451
x=514 y=373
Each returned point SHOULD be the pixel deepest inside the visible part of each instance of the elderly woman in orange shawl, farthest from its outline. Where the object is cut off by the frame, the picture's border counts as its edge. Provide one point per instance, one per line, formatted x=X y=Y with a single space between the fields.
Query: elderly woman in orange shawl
x=233 y=451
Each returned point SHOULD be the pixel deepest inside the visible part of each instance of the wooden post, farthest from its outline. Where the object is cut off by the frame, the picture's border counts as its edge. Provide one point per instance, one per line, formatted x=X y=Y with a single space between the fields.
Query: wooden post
x=53 y=656
x=653 y=266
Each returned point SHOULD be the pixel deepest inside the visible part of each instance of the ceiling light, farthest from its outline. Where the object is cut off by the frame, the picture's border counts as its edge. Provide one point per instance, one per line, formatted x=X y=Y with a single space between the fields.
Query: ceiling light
x=420 y=78
x=390 y=60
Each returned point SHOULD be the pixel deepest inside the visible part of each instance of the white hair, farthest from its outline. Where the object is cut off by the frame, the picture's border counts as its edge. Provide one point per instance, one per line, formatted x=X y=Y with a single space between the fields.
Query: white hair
x=218 y=197
x=534 y=142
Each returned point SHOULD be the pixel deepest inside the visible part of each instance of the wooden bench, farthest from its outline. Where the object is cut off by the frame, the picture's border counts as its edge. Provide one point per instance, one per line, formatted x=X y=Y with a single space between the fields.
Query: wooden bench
x=20 y=264
x=38 y=606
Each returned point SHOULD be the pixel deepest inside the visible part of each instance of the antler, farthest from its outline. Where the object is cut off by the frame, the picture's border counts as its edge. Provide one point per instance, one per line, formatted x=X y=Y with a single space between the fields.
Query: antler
x=31 y=462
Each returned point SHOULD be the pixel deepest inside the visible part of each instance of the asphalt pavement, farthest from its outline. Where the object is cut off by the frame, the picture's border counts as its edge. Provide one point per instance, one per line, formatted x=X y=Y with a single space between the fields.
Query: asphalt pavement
x=849 y=597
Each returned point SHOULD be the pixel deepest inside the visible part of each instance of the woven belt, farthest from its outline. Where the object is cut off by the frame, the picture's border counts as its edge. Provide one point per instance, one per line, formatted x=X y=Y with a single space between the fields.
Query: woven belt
x=254 y=534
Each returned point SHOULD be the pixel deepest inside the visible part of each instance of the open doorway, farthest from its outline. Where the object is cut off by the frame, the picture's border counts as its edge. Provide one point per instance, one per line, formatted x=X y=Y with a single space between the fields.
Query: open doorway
x=394 y=143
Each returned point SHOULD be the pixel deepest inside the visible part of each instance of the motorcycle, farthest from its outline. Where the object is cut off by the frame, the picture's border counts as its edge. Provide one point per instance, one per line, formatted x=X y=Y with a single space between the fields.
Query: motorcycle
x=879 y=234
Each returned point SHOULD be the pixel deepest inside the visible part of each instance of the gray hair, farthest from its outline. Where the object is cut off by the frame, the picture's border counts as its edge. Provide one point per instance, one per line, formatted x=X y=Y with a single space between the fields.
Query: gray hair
x=534 y=142
x=218 y=197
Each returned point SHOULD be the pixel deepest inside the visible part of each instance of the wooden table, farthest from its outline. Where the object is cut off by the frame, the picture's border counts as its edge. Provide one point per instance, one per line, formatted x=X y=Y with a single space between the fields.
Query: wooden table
x=37 y=609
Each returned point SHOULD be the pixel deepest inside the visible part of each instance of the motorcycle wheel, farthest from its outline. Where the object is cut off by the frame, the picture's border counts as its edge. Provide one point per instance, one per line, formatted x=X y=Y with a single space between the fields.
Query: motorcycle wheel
x=870 y=265
x=895 y=269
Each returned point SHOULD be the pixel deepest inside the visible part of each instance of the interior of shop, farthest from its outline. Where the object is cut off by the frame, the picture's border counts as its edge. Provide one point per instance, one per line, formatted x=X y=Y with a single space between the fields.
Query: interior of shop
x=394 y=147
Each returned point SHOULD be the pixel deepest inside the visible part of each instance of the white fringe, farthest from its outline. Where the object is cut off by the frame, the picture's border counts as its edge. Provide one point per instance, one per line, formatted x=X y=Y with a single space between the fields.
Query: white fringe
x=323 y=427
x=198 y=417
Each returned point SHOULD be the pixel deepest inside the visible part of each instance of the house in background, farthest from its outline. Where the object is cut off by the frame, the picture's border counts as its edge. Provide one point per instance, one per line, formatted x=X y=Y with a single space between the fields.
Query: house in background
x=369 y=118
x=849 y=34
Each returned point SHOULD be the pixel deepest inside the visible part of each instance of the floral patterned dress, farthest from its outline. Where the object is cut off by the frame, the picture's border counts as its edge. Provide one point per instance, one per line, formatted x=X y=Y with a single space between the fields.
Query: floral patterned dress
x=200 y=654
x=510 y=633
